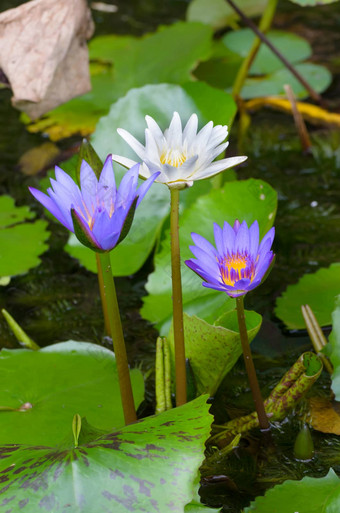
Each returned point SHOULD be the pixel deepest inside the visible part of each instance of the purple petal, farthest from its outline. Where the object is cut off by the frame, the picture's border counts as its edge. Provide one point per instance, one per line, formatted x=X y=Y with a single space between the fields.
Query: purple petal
x=263 y=265
x=88 y=234
x=242 y=239
x=218 y=234
x=236 y=226
x=269 y=236
x=143 y=189
x=88 y=186
x=242 y=284
x=128 y=186
x=254 y=237
x=228 y=239
x=202 y=243
x=206 y=260
x=51 y=206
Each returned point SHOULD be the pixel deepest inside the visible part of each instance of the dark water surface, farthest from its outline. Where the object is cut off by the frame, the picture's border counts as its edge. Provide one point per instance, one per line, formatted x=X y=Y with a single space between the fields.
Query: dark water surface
x=59 y=300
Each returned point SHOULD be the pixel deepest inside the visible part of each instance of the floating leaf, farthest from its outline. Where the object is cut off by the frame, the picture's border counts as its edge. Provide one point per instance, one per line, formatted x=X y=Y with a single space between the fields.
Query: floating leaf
x=148 y=466
x=159 y=101
x=244 y=200
x=23 y=242
x=218 y=13
x=318 y=77
x=214 y=349
x=310 y=495
x=318 y=290
x=294 y=48
x=60 y=381
x=132 y=62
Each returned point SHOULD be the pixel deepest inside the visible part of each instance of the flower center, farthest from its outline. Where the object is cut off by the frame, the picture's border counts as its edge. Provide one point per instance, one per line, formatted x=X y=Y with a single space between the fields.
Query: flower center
x=173 y=157
x=235 y=267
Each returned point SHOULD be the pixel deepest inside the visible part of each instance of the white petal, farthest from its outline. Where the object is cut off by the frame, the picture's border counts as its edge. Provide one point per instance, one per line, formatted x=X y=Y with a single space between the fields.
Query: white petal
x=217 y=167
x=190 y=130
x=137 y=147
x=203 y=137
x=174 y=132
x=156 y=132
x=218 y=134
x=151 y=147
x=124 y=161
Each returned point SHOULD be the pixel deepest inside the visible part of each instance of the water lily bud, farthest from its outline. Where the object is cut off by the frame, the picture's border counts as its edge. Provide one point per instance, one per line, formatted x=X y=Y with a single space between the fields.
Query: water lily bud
x=304 y=446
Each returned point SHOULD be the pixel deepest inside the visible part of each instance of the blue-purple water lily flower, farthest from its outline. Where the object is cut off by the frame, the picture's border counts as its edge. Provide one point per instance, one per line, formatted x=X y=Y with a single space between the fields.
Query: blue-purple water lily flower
x=97 y=212
x=239 y=261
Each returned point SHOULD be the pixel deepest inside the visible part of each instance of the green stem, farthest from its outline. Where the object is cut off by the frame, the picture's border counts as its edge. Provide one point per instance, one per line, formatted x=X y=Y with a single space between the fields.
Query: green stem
x=248 y=360
x=180 y=370
x=102 y=296
x=264 y=26
x=118 y=340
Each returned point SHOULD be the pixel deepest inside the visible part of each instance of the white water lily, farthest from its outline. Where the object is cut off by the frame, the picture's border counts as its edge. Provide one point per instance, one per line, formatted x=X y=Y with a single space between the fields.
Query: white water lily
x=181 y=156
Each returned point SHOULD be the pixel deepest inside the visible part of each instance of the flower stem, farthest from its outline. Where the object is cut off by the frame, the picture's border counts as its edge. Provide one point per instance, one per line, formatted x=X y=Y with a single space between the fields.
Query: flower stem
x=102 y=296
x=118 y=340
x=181 y=385
x=265 y=24
x=248 y=360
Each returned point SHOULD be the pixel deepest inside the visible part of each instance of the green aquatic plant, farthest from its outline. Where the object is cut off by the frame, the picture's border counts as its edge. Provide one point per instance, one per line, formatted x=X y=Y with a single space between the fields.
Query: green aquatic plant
x=181 y=156
x=100 y=215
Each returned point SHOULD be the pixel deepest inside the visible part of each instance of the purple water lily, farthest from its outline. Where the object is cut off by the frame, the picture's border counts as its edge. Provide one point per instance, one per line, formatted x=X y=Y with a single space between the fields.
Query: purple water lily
x=98 y=213
x=238 y=263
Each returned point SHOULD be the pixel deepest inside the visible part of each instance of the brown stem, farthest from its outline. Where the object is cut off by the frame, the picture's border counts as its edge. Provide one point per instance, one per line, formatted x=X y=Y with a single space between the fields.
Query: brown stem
x=313 y=94
x=181 y=384
x=248 y=360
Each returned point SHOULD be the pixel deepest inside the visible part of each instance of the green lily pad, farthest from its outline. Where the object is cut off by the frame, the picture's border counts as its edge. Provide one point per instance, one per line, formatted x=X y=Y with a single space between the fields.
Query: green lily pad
x=334 y=343
x=218 y=13
x=145 y=467
x=159 y=101
x=271 y=85
x=214 y=349
x=318 y=290
x=23 y=241
x=59 y=381
x=130 y=62
x=310 y=495
x=244 y=200
x=294 y=48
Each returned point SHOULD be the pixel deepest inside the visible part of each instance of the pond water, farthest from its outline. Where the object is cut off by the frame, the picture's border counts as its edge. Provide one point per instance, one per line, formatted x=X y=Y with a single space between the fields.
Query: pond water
x=59 y=300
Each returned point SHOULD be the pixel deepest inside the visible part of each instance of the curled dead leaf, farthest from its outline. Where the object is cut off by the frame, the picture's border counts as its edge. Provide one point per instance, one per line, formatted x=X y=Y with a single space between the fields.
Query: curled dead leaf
x=325 y=415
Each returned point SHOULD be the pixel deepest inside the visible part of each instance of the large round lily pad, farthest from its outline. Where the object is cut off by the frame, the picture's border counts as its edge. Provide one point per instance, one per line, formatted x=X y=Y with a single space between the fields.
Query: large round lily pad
x=57 y=382
x=318 y=290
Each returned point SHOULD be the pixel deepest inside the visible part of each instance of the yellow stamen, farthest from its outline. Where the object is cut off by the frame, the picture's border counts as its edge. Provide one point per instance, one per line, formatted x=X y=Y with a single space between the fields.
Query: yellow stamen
x=235 y=263
x=173 y=157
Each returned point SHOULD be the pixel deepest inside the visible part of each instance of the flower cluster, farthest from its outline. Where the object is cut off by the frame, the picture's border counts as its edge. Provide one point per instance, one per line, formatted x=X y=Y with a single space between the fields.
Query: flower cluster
x=180 y=156
x=238 y=263
x=98 y=213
